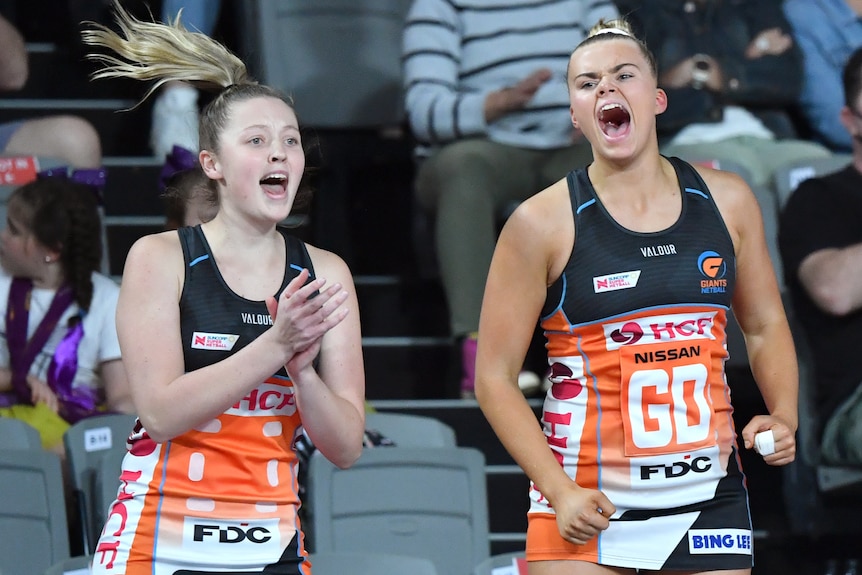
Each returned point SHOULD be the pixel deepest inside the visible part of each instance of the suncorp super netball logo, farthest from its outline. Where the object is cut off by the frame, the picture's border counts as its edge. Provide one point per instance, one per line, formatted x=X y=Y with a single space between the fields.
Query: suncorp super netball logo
x=713 y=267
x=627 y=334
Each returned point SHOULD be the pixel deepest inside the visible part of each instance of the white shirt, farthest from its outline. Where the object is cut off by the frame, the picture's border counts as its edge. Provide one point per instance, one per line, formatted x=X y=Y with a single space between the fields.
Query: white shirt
x=99 y=344
x=735 y=122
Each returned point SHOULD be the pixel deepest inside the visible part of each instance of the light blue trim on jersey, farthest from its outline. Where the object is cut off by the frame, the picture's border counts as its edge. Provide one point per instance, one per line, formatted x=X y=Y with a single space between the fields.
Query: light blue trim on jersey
x=560 y=303
x=296 y=267
x=285 y=379
x=161 y=493
x=698 y=192
x=585 y=205
x=198 y=260
x=297 y=528
x=650 y=308
x=589 y=373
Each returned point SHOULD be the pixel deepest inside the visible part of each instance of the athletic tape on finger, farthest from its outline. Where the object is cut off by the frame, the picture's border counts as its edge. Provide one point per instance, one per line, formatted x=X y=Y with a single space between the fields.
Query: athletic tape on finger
x=764 y=442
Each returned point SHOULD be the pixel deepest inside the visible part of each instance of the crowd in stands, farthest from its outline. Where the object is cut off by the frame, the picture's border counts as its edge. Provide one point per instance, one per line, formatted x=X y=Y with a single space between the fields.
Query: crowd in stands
x=488 y=105
x=760 y=84
x=68 y=138
x=823 y=268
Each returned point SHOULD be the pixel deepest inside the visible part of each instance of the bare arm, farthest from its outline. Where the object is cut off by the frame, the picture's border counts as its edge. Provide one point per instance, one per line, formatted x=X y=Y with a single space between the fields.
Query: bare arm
x=537 y=235
x=760 y=312
x=331 y=402
x=39 y=390
x=833 y=279
x=117 y=393
x=170 y=402
x=14 y=66
x=512 y=303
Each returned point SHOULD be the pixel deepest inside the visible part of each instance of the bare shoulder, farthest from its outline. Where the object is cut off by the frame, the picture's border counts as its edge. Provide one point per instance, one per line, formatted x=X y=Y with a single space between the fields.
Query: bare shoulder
x=728 y=188
x=735 y=200
x=543 y=224
x=546 y=211
x=156 y=255
x=731 y=192
x=328 y=265
x=158 y=244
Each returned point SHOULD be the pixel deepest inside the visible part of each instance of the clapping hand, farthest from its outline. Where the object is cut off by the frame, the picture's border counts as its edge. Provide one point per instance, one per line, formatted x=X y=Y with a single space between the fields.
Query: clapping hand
x=303 y=313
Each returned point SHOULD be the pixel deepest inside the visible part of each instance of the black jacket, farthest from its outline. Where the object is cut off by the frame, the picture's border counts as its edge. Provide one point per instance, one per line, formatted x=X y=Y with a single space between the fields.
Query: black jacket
x=768 y=86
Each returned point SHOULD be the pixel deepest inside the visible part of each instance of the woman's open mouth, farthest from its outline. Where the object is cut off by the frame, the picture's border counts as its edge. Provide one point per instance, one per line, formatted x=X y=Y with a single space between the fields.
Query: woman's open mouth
x=274 y=184
x=614 y=120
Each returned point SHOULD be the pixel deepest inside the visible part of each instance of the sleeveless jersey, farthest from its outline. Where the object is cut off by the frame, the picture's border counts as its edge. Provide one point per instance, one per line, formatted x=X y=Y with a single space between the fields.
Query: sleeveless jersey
x=221 y=497
x=639 y=407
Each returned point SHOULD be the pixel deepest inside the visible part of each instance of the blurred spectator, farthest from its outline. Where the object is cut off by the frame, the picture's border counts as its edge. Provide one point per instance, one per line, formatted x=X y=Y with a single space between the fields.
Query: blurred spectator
x=827 y=32
x=71 y=139
x=732 y=73
x=190 y=196
x=175 y=110
x=820 y=240
x=487 y=100
x=59 y=354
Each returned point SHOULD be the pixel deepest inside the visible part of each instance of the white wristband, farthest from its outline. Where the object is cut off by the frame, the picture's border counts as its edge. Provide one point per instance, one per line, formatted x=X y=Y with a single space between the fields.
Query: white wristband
x=764 y=442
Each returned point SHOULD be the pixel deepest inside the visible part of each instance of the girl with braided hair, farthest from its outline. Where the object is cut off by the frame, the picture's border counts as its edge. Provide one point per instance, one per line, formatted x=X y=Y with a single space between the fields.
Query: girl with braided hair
x=60 y=358
x=237 y=336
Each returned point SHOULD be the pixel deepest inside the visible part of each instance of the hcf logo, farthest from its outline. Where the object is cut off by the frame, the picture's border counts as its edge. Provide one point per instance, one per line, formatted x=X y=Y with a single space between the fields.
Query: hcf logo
x=661 y=328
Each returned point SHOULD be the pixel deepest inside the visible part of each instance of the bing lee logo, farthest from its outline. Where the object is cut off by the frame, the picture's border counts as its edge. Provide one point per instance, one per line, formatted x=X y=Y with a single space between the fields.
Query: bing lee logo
x=713 y=267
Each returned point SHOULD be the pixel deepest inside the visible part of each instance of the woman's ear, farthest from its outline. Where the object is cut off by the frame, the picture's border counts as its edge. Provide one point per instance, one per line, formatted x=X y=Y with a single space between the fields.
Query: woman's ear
x=849 y=121
x=660 y=101
x=53 y=254
x=210 y=165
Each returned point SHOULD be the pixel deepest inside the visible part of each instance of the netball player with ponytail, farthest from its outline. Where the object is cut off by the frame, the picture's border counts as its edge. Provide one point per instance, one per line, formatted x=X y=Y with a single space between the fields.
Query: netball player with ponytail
x=632 y=265
x=237 y=336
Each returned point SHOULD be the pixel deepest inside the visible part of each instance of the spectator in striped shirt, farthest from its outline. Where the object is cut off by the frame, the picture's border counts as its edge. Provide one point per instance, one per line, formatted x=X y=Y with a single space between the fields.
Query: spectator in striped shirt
x=487 y=101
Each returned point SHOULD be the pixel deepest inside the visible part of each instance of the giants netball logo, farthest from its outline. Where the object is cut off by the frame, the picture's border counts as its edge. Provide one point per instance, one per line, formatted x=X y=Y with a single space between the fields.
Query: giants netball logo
x=713 y=267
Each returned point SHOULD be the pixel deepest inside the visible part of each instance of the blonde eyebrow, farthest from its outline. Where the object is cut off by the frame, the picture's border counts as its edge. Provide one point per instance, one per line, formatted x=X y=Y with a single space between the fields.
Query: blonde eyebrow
x=614 y=70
